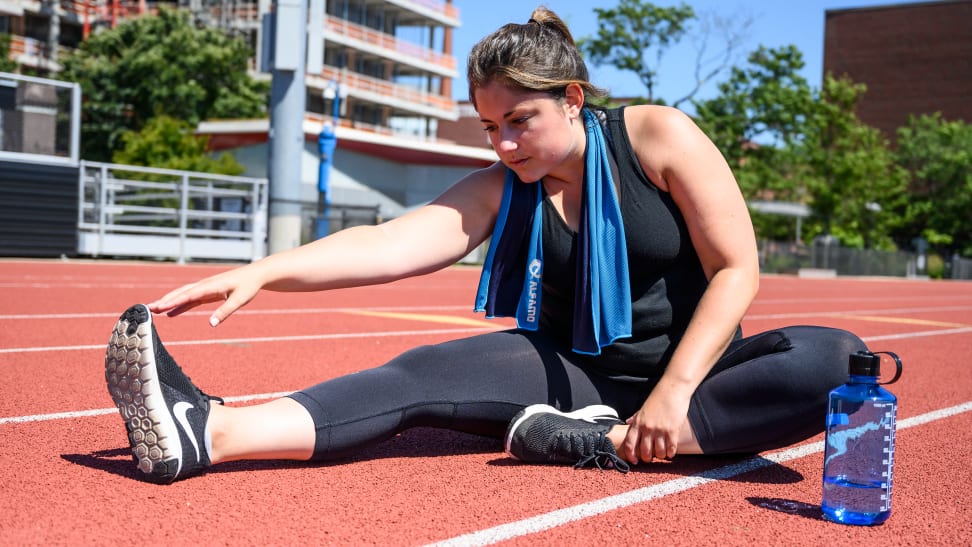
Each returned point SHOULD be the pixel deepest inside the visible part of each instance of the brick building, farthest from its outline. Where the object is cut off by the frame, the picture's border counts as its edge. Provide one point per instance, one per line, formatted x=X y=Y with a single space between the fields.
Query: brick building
x=914 y=58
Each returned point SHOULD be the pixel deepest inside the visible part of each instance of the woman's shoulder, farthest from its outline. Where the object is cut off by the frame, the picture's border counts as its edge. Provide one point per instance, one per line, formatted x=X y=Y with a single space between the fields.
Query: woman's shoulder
x=656 y=120
x=481 y=189
x=661 y=137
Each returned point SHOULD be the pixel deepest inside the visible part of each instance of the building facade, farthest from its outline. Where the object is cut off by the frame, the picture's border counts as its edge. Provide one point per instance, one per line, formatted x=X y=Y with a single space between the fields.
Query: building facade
x=379 y=75
x=914 y=58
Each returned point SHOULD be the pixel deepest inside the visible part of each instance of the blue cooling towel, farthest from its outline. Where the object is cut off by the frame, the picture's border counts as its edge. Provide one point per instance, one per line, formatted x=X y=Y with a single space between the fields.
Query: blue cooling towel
x=510 y=284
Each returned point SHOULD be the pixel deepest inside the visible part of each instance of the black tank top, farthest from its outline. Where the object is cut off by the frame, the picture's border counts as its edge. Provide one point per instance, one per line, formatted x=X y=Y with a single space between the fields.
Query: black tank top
x=666 y=276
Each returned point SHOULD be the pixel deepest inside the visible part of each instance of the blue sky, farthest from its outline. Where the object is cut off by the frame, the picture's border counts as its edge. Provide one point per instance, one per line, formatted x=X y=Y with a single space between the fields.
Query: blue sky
x=775 y=23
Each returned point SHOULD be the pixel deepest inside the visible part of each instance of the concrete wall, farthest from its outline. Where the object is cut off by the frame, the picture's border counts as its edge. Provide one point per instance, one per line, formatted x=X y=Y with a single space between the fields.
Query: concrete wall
x=362 y=180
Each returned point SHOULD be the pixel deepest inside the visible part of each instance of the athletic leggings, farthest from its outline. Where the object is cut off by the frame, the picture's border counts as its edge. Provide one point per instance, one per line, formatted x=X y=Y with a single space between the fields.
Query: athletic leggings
x=767 y=391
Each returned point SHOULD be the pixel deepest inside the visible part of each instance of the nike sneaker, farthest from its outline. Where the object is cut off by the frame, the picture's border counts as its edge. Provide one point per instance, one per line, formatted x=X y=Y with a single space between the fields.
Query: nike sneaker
x=164 y=412
x=543 y=434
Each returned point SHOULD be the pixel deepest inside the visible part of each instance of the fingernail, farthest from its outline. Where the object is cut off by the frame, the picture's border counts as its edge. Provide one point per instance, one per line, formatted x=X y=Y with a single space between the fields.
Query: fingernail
x=213 y=321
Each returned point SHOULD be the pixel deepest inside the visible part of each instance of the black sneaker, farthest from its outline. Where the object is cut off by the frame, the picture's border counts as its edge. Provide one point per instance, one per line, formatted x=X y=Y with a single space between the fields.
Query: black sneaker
x=164 y=413
x=543 y=434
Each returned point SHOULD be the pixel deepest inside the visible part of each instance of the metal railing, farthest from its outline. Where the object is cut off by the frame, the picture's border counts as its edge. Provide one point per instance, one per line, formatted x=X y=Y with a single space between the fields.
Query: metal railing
x=826 y=255
x=128 y=211
x=40 y=119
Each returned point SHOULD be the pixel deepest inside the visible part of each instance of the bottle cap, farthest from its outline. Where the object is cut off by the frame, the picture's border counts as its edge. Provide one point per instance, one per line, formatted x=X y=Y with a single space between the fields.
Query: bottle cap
x=864 y=363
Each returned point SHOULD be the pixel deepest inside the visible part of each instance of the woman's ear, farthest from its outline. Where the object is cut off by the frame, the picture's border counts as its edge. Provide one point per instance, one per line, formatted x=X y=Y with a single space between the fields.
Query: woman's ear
x=574 y=99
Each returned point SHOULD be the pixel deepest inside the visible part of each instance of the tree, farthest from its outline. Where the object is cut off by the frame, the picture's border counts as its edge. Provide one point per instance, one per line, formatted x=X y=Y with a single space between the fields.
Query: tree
x=938 y=157
x=788 y=142
x=159 y=65
x=629 y=33
x=170 y=143
x=855 y=188
x=6 y=63
x=756 y=120
x=758 y=116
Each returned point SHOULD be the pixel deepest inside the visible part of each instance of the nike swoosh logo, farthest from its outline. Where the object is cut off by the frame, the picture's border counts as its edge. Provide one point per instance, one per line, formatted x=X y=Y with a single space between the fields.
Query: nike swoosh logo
x=180 y=409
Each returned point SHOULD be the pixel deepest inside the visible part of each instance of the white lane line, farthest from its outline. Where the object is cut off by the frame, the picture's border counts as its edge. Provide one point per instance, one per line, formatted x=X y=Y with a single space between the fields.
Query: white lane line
x=98 y=412
x=254 y=340
x=940 y=332
x=890 y=311
x=919 y=334
x=271 y=311
x=103 y=411
x=459 y=307
x=287 y=311
x=581 y=511
x=168 y=286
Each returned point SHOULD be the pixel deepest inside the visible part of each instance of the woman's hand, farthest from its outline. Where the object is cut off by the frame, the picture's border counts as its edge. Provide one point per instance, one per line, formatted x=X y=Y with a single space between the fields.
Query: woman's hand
x=235 y=288
x=654 y=431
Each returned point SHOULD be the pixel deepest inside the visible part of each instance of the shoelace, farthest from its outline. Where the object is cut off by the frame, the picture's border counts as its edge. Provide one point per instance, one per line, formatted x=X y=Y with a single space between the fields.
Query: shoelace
x=603 y=459
x=203 y=394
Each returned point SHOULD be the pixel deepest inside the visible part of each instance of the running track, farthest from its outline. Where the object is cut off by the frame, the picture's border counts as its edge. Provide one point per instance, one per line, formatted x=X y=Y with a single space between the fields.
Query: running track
x=66 y=476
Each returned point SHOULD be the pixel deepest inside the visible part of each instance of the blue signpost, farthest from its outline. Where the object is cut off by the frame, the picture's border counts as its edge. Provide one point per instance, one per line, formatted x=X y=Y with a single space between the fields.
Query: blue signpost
x=326 y=143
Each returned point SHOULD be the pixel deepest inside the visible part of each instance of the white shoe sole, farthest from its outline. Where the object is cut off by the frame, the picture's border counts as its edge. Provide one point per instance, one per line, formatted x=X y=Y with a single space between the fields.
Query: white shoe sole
x=133 y=382
x=588 y=414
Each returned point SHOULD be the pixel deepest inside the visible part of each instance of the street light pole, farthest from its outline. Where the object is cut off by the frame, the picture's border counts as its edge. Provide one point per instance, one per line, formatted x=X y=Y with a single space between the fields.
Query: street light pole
x=286 y=135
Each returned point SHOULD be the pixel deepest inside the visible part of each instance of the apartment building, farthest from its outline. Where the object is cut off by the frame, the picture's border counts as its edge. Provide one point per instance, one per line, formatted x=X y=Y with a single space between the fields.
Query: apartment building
x=379 y=72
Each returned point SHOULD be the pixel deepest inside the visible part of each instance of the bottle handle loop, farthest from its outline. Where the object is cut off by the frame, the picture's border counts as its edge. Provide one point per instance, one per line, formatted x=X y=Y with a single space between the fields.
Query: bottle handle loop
x=897 y=364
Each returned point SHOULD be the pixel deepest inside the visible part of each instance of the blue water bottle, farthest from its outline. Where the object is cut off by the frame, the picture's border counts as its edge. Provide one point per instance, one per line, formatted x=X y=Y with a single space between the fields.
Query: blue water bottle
x=859 y=446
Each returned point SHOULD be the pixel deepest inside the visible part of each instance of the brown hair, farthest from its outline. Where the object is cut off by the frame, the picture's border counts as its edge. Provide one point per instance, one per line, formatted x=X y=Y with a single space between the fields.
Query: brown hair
x=538 y=56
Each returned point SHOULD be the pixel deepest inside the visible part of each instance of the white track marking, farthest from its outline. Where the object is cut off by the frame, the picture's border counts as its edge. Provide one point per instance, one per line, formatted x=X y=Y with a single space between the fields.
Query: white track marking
x=553 y=519
x=272 y=311
x=261 y=339
x=104 y=411
x=920 y=334
x=461 y=307
x=99 y=412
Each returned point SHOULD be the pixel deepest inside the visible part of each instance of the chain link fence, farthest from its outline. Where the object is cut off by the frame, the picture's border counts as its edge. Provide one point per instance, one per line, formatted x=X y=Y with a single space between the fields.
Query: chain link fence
x=826 y=255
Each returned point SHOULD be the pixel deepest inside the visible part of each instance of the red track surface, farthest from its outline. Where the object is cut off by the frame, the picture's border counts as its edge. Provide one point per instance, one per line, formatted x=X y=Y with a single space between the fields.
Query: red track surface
x=66 y=476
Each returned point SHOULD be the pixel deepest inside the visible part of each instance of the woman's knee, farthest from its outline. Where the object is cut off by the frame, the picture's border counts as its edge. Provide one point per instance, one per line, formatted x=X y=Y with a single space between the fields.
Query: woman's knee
x=827 y=349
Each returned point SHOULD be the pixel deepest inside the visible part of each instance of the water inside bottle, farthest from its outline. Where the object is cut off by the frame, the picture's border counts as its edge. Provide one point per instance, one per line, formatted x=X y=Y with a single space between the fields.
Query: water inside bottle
x=857 y=501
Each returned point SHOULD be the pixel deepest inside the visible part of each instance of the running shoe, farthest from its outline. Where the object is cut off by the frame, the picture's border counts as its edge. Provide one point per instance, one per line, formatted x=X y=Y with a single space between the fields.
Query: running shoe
x=543 y=434
x=164 y=413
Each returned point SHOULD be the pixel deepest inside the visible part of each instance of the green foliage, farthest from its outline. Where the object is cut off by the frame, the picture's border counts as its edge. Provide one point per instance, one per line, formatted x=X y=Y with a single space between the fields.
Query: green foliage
x=6 y=63
x=935 y=266
x=758 y=118
x=154 y=66
x=170 y=143
x=789 y=142
x=938 y=157
x=856 y=189
x=628 y=32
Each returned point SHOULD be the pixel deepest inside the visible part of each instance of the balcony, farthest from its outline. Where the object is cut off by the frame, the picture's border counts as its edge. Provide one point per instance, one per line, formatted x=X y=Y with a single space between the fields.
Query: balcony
x=384 y=92
x=384 y=45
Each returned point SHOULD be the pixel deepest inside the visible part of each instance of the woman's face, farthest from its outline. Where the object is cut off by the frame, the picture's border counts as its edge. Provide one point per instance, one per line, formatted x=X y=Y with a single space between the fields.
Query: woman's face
x=533 y=133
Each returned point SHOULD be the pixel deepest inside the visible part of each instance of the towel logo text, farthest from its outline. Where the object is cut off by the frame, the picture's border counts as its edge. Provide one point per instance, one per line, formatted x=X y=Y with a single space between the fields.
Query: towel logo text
x=535 y=268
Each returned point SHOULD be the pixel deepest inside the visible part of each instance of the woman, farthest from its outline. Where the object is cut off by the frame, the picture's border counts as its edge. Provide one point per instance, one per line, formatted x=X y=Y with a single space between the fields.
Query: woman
x=621 y=243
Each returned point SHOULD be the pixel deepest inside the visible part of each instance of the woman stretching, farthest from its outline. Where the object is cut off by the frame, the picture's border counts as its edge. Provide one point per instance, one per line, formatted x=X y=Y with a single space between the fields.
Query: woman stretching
x=620 y=243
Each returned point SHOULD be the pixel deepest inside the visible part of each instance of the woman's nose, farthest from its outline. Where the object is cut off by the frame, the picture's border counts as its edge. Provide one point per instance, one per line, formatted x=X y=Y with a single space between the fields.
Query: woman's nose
x=506 y=142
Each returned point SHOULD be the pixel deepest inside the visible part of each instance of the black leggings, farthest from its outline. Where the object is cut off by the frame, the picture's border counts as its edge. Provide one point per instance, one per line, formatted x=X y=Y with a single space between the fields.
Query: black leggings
x=767 y=390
